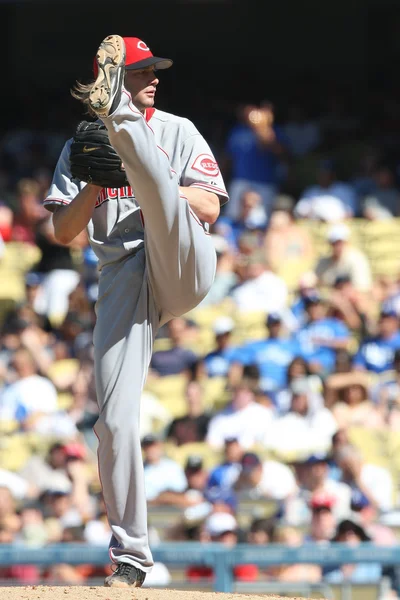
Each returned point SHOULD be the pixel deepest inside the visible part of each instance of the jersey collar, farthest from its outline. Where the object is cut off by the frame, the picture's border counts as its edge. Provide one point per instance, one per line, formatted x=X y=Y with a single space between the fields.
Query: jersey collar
x=148 y=113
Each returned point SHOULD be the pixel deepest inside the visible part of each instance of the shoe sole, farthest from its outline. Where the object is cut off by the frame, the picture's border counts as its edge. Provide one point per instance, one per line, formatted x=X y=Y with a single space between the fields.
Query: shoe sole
x=120 y=584
x=111 y=62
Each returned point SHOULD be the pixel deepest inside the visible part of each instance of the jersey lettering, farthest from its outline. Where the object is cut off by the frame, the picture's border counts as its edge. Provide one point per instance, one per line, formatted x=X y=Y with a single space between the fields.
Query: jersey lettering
x=114 y=194
x=206 y=164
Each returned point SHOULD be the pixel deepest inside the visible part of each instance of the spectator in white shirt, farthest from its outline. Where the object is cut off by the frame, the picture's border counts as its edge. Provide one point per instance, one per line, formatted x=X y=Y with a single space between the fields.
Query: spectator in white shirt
x=243 y=419
x=366 y=479
x=307 y=428
x=261 y=289
x=313 y=481
x=268 y=480
x=161 y=474
x=30 y=397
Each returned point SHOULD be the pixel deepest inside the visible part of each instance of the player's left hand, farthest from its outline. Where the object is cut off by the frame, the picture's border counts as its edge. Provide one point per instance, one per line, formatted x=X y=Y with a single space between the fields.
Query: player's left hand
x=93 y=159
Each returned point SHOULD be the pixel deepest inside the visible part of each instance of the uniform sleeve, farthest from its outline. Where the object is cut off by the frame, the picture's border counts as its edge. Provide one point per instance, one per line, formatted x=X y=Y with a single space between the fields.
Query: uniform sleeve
x=62 y=190
x=200 y=169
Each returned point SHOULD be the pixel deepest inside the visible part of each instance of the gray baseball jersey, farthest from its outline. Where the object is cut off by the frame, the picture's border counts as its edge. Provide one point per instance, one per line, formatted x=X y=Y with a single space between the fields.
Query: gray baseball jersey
x=116 y=227
x=157 y=261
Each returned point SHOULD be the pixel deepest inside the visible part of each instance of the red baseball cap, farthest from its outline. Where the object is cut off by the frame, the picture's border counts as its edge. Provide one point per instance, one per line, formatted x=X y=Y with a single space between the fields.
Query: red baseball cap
x=139 y=56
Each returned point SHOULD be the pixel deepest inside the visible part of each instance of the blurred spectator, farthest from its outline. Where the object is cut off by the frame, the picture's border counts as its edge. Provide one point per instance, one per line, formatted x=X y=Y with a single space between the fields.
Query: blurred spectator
x=243 y=418
x=321 y=336
x=261 y=531
x=178 y=359
x=384 y=200
x=323 y=523
x=33 y=530
x=285 y=240
x=224 y=475
x=271 y=356
x=30 y=397
x=313 y=480
x=303 y=134
x=49 y=470
x=365 y=479
x=344 y=260
x=289 y=536
x=161 y=474
x=347 y=395
x=307 y=427
x=193 y=426
x=217 y=362
x=264 y=480
x=261 y=289
x=351 y=533
x=254 y=148
x=29 y=211
x=252 y=216
x=314 y=201
x=6 y=220
x=307 y=286
x=58 y=272
x=298 y=369
x=376 y=353
x=350 y=305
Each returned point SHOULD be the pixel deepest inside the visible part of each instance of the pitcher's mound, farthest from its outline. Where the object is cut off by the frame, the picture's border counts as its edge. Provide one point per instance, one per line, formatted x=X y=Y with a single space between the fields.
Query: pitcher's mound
x=41 y=592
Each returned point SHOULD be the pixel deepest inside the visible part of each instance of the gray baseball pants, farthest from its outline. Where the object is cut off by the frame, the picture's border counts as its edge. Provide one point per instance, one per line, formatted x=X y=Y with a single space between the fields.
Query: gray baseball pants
x=170 y=276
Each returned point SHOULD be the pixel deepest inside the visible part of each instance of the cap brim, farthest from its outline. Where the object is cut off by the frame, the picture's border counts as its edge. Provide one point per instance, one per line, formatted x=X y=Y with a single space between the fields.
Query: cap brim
x=159 y=63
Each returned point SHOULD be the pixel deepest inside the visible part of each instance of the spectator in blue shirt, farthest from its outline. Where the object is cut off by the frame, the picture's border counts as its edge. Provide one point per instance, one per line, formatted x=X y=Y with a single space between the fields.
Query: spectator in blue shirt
x=217 y=362
x=321 y=336
x=377 y=353
x=271 y=356
x=254 y=149
x=224 y=475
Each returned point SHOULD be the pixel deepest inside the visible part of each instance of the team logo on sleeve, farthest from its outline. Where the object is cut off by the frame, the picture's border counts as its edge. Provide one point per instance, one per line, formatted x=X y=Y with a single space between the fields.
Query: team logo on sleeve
x=206 y=164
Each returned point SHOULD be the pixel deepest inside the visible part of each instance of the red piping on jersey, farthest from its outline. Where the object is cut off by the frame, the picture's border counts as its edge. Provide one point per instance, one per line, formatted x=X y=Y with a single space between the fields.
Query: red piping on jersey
x=148 y=113
x=209 y=187
x=50 y=200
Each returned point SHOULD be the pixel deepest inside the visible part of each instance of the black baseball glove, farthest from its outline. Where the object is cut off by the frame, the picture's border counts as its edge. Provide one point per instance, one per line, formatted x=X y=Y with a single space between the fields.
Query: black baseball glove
x=93 y=159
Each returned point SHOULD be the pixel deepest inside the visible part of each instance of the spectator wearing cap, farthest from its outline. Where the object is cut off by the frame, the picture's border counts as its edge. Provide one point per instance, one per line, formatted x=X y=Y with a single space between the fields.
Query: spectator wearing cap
x=376 y=353
x=350 y=532
x=224 y=475
x=271 y=356
x=314 y=482
x=193 y=426
x=308 y=284
x=242 y=418
x=252 y=156
x=225 y=276
x=264 y=480
x=178 y=359
x=261 y=289
x=307 y=427
x=161 y=474
x=313 y=201
x=288 y=246
x=323 y=522
x=344 y=259
x=321 y=336
x=217 y=362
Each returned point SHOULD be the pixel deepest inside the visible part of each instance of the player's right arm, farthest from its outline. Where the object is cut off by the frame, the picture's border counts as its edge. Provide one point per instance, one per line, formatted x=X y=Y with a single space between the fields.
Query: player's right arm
x=69 y=221
x=70 y=201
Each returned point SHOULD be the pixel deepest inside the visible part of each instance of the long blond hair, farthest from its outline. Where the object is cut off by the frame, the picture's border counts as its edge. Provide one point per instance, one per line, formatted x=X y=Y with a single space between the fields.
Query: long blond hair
x=80 y=91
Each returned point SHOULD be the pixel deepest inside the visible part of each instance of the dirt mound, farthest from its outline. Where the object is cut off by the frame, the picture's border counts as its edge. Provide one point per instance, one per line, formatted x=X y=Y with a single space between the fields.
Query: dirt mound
x=40 y=592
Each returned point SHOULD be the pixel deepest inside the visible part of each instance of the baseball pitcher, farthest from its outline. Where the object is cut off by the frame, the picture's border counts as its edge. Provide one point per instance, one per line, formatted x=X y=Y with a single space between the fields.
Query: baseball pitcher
x=146 y=185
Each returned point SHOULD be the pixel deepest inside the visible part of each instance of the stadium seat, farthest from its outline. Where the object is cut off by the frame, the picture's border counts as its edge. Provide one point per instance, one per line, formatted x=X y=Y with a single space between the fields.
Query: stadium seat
x=216 y=394
x=17 y=259
x=250 y=325
x=170 y=391
x=210 y=456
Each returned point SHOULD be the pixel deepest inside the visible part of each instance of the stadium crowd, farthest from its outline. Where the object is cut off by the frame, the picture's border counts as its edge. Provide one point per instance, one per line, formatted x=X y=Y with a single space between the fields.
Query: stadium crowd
x=271 y=411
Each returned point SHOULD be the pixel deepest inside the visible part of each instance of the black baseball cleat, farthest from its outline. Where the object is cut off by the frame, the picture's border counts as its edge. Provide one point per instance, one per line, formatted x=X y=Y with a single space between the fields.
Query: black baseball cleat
x=125 y=575
x=106 y=91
